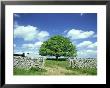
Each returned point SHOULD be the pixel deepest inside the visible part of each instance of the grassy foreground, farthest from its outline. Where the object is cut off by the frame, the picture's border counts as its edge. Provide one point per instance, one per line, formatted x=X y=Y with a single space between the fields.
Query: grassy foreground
x=54 y=67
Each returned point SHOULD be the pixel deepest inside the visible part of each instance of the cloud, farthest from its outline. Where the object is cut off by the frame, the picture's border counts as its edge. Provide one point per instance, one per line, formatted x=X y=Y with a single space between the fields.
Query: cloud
x=42 y=35
x=28 y=46
x=79 y=34
x=14 y=45
x=29 y=33
x=18 y=52
x=15 y=25
x=38 y=44
x=21 y=52
x=34 y=46
x=87 y=49
x=16 y=15
x=84 y=44
x=87 y=54
x=87 y=45
x=93 y=45
x=26 y=32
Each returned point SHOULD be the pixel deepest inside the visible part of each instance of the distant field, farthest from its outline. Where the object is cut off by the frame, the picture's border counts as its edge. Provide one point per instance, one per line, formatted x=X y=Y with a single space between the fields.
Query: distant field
x=55 y=67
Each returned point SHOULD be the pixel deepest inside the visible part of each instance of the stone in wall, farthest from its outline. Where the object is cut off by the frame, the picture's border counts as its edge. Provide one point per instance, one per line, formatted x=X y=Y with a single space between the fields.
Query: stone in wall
x=27 y=63
x=83 y=63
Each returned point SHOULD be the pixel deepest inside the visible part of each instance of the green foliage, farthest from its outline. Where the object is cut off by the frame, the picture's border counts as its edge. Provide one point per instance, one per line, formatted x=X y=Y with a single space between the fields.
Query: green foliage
x=58 y=46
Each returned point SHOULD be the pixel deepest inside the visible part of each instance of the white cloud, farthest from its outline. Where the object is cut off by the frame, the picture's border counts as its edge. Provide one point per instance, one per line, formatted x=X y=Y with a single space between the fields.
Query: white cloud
x=14 y=45
x=21 y=52
x=84 y=44
x=38 y=44
x=18 y=51
x=87 y=49
x=15 y=25
x=29 y=33
x=33 y=46
x=79 y=34
x=87 y=54
x=87 y=45
x=43 y=35
x=26 y=32
x=28 y=46
x=16 y=15
x=93 y=45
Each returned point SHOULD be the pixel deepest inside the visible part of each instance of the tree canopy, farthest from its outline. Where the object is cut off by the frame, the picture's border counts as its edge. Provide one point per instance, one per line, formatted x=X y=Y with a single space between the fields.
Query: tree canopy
x=58 y=46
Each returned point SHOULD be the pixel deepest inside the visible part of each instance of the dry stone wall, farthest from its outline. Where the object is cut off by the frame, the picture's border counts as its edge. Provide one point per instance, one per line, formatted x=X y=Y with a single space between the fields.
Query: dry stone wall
x=83 y=63
x=27 y=63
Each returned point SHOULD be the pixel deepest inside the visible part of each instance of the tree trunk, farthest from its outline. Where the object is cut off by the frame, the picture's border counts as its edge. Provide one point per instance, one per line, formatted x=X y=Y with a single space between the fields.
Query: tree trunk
x=56 y=57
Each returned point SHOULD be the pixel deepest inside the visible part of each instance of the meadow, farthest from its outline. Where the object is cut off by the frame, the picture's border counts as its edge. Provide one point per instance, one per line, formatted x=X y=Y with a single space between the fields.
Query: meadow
x=56 y=67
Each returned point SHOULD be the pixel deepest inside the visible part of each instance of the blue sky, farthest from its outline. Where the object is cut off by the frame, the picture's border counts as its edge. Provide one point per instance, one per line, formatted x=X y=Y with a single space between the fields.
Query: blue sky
x=31 y=29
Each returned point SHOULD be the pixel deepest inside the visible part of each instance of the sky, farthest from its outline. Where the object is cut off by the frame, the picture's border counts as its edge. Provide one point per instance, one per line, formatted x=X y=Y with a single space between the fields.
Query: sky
x=32 y=29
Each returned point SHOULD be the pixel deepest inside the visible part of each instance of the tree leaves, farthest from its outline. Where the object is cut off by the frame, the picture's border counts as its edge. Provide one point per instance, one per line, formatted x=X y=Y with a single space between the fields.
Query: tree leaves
x=58 y=46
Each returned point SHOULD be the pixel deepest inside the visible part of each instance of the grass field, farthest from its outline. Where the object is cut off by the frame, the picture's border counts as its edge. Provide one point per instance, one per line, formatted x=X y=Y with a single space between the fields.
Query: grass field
x=54 y=67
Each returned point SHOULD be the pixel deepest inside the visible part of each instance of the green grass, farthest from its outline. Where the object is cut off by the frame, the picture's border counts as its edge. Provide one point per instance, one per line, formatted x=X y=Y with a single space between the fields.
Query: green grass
x=52 y=63
x=31 y=71
x=55 y=67
x=84 y=71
